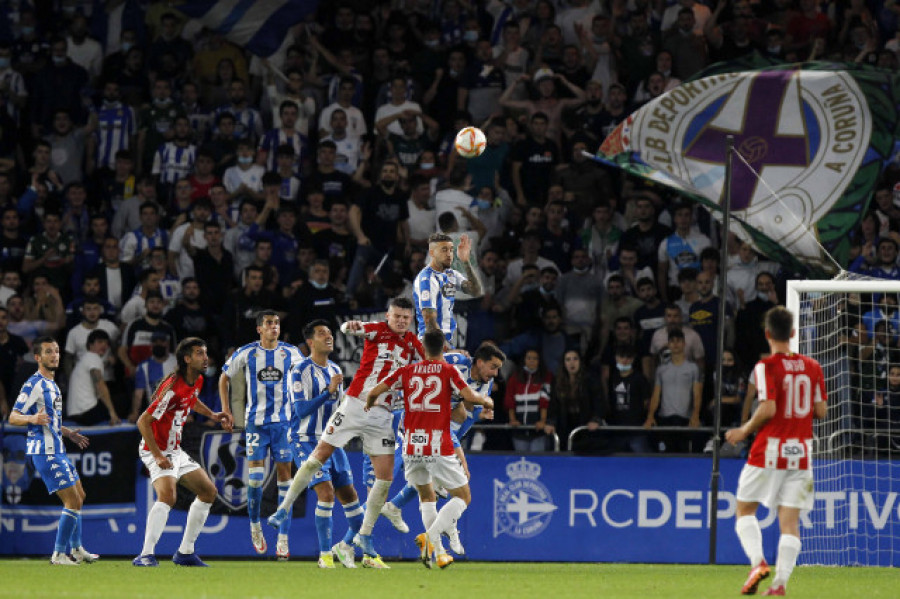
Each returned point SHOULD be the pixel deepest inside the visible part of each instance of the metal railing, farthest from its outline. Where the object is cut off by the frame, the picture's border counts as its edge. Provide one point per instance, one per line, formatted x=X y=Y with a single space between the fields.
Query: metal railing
x=683 y=430
x=509 y=427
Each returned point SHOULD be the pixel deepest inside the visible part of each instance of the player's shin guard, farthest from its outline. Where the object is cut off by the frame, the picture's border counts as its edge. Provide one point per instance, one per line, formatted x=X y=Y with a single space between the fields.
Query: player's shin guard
x=324 y=525
x=254 y=493
x=374 y=503
x=354 y=513
x=67 y=521
x=747 y=529
x=788 y=550
x=446 y=518
x=196 y=518
x=300 y=482
x=283 y=486
x=156 y=522
x=405 y=495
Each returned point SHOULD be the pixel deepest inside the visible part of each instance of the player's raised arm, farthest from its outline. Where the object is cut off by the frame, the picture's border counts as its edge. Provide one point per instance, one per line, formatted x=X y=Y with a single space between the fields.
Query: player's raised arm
x=354 y=327
x=472 y=284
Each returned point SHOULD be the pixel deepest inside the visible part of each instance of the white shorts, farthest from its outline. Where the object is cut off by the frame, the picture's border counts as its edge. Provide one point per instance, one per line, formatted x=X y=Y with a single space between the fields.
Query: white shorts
x=350 y=420
x=445 y=470
x=182 y=464
x=773 y=488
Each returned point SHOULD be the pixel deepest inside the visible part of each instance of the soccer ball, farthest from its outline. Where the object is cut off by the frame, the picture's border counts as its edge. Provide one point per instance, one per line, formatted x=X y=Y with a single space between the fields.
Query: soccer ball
x=470 y=142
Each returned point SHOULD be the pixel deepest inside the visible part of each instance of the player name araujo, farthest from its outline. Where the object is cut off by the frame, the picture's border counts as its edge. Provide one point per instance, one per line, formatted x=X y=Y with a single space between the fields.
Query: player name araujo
x=423 y=368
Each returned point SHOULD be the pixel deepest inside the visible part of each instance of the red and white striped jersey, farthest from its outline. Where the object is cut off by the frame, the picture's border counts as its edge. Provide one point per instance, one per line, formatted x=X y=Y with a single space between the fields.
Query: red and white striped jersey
x=384 y=351
x=795 y=383
x=173 y=401
x=428 y=388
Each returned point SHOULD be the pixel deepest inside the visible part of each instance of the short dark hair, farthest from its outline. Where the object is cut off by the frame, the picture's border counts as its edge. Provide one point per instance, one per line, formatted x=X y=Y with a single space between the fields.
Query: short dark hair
x=687 y=274
x=616 y=279
x=626 y=350
x=779 y=323
x=271 y=178
x=261 y=315
x=487 y=351
x=97 y=335
x=433 y=342
x=309 y=331
x=539 y=116
x=36 y=346
x=676 y=333
x=644 y=281
x=400 y=302
x=149 y=204
x=446 y=220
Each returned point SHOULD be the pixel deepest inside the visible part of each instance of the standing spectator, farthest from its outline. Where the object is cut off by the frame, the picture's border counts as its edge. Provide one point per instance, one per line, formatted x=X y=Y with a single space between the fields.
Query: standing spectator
x=399 y=103
x=150 y=372
x=618 y=304
x=687 y=283
x=77 y=338
x=704 y=317
x=238 y=325
x=67 y=147
x=50 y=253
x=116 y=283
x=575 y=400
x=293 y=93
x=579 y=292
x=527 y=400
x=648 y=318
x=601 y=238
x=534 y=160
x=84 y=51
x=806 y=26
x=407 y=146
x=336 y=243
x=132 y=194
x=628 y=270
x=213 y=268
x=548 y=103
x=677 y=393
x=623 y=334
x=114 y=126
x=332 y=182
x=285 y=134
x=659 y=343
x=248 y=122
x=316 y=299
x=686 y=43
x=238 y=240
x=531 y=304
x=58 y=85
x=380 y=223
x=749 y=333
x=189 y=237
x=531 y=245
x=628 y=392
x=349 y=148
x=12 y=349
x=156 y=124
x=137 y=339
x=88 y=401
x=356 y=121
x=585 y=179
x=744 y=267
x=678 y=251
x=12 y=82
x=481 y=84
x=13 y=244
x=558 y=240
x=135 y=245
x=245 y=179
x=646 y=235
x=188 y=317
x=174 y=159
x=90 y=288
x=30 y=329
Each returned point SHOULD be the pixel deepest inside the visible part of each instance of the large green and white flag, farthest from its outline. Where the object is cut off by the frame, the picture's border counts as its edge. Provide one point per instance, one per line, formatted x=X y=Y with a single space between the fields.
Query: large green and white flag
x=816 y=137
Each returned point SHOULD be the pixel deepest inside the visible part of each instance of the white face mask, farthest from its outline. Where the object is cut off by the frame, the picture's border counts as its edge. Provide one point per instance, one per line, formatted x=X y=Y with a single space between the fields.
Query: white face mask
x=318 y=285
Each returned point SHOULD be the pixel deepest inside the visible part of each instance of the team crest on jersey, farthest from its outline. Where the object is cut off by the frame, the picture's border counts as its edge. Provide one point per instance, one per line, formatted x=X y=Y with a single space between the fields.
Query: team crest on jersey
x=224 y=457
x=448 y=290
x=269 y=374
x=523 y=506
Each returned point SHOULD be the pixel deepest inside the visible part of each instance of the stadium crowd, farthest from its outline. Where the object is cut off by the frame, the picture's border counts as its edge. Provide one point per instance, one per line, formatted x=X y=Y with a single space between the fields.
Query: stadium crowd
x=159 y=182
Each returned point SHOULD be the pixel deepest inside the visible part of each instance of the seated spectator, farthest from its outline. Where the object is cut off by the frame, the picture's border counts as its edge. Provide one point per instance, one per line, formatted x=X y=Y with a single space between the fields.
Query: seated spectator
x=88 y=401
x=628 y=392
x=527 y=400
x=136 y=340
x=677 y=394
x=575 y=400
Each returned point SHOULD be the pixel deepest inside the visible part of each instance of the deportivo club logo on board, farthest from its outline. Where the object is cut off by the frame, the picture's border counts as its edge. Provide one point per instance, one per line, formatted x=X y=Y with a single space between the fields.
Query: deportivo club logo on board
x=523 y=506
x=224 y=457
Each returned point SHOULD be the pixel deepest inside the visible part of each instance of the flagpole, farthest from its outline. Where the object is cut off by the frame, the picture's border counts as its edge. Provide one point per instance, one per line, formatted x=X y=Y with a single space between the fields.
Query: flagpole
x=720 y=345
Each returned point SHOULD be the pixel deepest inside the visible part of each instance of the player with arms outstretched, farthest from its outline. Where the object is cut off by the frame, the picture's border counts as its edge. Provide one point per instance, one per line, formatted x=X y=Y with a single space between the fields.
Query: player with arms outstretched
x=265 y=366
x=39 y=407
x=428 y=387
x=778 y=473
x=387 y=346
x=160 y=426
x=317 y=389
x=434 y=290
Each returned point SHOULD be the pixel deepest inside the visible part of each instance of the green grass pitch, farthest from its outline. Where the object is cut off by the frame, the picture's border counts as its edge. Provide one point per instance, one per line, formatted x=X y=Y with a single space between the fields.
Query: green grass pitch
x=117 y=578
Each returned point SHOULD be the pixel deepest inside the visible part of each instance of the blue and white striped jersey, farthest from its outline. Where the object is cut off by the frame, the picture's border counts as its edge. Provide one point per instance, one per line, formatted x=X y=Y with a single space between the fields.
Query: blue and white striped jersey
x=277 y=137
x=40 y=392
x=437 y=291
x=247 y=121
x=464 y=365
x=173 y=162
x=116 y=124
x=308 y=381
x=150 y=372
x=267 y=375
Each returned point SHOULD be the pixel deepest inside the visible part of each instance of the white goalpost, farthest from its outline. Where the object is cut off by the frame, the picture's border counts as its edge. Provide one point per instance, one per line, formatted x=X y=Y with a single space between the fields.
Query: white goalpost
x=851 y=327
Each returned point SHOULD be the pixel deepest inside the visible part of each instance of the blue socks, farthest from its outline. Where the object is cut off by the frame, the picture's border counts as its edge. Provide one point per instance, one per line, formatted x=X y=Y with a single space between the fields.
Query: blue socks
x=404 y=496
x=324 y=524
x=283 y=487
x=67 y=522
x=254 y=493
x=355 y=514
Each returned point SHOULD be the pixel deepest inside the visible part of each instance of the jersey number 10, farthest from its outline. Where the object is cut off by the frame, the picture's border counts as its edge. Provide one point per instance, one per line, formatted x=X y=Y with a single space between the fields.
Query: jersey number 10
x=798 y=394
x=432 y=386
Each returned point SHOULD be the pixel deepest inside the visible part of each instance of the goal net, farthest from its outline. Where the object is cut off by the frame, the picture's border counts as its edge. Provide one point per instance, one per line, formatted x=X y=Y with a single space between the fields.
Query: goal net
x=851 y=327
